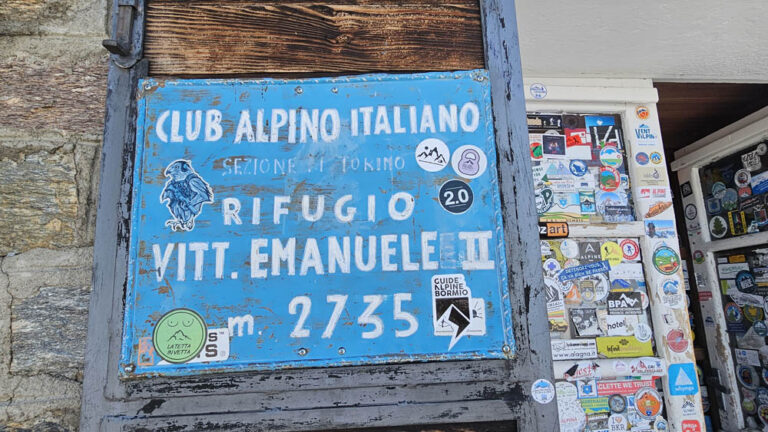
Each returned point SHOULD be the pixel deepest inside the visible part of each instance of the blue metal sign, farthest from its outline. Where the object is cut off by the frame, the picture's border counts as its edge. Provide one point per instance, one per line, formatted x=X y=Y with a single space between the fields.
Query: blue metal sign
x=319 y=222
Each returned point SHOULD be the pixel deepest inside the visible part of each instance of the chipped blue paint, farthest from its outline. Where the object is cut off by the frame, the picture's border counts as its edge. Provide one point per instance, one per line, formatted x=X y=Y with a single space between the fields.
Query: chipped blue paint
x=187 y=181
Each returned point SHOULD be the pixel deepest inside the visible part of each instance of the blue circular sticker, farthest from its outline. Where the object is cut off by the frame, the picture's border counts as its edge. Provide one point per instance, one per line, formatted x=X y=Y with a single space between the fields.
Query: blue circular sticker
x=747 y=377
x=642 y=158
x=718 y=190
x=538 y=91
x=610 y=156
x=760 y=328
x=578 y=168
x=745 y=282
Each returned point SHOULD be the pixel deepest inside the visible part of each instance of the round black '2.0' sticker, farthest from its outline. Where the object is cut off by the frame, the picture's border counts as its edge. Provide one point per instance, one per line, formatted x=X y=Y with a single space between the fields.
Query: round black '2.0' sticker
x=456 y=196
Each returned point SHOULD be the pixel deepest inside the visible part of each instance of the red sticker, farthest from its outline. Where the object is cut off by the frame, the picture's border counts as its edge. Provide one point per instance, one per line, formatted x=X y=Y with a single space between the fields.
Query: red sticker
x=607 y=388
x=705 y=295
x=676 y=341
x=691 y=426
x=536 y=150
x=630 y=249
x=610 y=179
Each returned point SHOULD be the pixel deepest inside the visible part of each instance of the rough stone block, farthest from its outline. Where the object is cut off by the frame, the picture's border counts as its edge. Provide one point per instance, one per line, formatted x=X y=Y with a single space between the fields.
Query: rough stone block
x=39 y=200
x=30 y=271
x=48 y=332
x=49 y=311
x=48 y=194
x=42 y=399
x=64 y=95
x=36 y=17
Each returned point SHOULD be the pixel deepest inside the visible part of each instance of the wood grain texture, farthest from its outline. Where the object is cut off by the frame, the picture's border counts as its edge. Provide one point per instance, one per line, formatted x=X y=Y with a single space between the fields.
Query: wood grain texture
x=194 y=38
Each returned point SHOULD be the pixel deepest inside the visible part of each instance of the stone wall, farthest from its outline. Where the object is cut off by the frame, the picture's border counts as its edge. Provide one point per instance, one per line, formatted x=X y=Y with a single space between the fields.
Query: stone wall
x=53 y=84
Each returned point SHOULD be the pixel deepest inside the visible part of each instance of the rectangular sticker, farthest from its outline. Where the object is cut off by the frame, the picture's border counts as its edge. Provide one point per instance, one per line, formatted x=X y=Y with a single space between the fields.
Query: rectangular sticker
x=683 y=380
x=595 y=405
x=625 y=303
x=729 y=271
x=747 y=357
x=573 y=349
x=583 y=270
x=608 y=388
x=553 y=229
x=623 y=346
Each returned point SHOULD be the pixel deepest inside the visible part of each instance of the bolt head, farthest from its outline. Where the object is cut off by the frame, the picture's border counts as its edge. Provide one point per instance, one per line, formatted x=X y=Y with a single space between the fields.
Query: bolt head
x=334 y=90
x=299 y=90
x=342 y=350
x=130 y=368
x=303 y=351
x=147 y=86
x=506 y=349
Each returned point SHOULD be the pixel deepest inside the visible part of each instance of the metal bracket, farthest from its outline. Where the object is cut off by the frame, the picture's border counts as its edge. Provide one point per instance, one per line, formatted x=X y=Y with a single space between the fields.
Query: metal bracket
x=126 y=43
x=713 y=381
x=121 y=44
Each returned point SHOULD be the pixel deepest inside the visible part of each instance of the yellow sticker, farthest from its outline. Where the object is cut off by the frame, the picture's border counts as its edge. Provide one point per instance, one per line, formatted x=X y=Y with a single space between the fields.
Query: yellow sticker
x=623 y=346
x=611 y=252
x=737 y=259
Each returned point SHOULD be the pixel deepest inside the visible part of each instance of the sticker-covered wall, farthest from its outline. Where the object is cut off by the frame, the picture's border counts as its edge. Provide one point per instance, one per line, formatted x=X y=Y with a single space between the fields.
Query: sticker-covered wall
x=619 y=328
x=723 y=186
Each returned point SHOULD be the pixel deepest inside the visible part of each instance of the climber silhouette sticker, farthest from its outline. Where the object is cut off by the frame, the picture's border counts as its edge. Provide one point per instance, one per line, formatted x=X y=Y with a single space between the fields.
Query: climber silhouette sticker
x=455 y=313
x=179 y=335
x=469 y=161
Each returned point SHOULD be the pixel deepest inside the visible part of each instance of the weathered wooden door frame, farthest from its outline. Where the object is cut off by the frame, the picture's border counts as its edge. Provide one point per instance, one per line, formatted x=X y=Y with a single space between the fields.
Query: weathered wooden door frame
x=312 y=399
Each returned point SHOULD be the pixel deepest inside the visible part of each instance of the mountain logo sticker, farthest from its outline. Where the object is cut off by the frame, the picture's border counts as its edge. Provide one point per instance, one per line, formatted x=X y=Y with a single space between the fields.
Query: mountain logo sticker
x=455 y=312
x=432 y=155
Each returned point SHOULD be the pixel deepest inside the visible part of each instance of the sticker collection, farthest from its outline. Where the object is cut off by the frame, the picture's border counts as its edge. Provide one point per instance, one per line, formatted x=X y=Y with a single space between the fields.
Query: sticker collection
x=612 y=370
x=743 y=279
x=602 y=343
x=579 y=168
x=735 y=191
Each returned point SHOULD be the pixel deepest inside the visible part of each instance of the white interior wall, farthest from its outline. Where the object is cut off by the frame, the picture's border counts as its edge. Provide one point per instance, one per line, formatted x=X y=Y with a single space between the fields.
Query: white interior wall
x=666 y=40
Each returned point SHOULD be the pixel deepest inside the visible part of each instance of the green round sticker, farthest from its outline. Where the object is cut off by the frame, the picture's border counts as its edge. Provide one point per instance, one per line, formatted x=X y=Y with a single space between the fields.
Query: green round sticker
x=666 y=260
x=179 y=336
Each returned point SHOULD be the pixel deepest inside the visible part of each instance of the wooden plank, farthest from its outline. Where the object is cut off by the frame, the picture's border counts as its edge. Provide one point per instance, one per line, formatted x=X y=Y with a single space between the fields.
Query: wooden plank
x=509 y=392
x=194 y=38
x=355 y=418
x=327 y=378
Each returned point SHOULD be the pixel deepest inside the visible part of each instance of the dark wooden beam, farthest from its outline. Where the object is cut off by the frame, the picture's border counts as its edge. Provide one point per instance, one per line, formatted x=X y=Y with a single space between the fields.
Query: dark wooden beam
x=196 y=38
